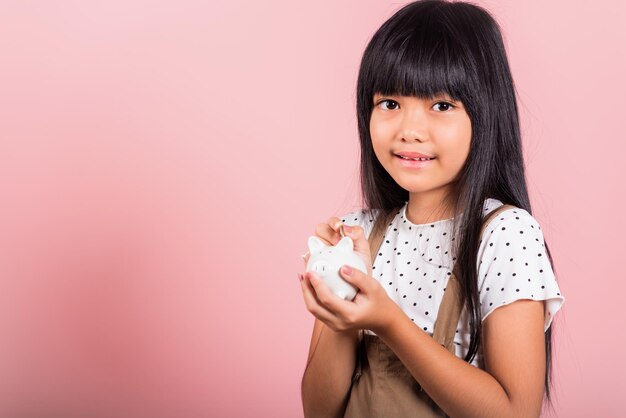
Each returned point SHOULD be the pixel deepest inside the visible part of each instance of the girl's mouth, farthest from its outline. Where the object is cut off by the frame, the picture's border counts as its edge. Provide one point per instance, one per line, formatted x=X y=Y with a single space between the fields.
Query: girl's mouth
x=414 y=163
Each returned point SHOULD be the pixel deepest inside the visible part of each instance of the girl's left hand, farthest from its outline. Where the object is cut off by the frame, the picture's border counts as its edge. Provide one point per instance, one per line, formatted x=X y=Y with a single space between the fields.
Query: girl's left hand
x=371 y=309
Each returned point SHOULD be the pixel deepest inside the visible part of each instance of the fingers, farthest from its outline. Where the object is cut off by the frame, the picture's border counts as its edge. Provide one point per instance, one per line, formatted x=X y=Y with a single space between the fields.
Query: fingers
x=326 y=297
x=329 y=231
x=314 y=304
x=336 y=224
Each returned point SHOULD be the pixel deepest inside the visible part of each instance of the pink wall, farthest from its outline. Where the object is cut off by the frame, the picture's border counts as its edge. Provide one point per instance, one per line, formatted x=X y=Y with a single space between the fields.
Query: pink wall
x=161 y=167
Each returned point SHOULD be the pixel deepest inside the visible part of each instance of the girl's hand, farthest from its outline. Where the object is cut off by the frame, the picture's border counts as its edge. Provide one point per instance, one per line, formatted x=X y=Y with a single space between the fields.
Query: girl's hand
x=329 y=233
x=371 y=308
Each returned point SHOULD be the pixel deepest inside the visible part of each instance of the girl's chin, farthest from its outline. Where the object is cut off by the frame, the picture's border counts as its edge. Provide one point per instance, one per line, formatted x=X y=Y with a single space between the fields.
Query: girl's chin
x=416 y=186
x=415 y=183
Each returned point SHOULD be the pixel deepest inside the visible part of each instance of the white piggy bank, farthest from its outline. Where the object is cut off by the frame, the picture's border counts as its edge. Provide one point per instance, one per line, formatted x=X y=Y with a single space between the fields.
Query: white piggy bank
x=326 y=260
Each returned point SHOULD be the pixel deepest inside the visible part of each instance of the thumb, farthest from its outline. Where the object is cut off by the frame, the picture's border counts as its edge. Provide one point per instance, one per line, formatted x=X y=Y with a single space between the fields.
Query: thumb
x=353 y=275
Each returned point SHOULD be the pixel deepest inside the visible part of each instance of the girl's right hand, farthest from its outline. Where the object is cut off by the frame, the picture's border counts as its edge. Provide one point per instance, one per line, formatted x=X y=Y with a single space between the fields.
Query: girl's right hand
x=329 y=233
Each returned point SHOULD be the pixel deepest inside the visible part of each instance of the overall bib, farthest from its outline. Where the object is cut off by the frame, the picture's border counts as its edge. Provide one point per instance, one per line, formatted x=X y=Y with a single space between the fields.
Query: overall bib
x=382 y=387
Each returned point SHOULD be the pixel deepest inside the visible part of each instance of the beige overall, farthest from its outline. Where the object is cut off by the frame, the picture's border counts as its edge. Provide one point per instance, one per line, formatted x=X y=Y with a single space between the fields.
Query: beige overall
x=382 y=387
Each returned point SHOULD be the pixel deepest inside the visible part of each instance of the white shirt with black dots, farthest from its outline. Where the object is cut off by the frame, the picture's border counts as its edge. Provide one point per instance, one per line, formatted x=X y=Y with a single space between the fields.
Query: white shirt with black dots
x=414 y=263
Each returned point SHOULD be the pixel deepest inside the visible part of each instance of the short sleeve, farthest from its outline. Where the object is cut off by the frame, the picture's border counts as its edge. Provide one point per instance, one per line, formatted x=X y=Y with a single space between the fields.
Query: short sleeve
x=513 y=265
x=362 y=217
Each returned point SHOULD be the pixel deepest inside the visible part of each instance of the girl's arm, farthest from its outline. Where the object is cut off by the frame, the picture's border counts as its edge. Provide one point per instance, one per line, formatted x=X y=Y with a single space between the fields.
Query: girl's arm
x=512 y=384
x=326 y=380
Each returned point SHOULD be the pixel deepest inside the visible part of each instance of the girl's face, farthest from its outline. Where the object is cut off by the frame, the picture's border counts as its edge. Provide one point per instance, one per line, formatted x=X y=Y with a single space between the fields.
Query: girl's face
x=439 y=128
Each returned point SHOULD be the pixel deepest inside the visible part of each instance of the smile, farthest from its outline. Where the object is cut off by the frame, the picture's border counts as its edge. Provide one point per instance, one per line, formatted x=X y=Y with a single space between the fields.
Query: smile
x=414 y=163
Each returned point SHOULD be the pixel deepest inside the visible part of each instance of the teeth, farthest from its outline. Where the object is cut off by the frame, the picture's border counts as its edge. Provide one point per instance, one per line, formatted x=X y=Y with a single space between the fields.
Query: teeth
x=416 y=159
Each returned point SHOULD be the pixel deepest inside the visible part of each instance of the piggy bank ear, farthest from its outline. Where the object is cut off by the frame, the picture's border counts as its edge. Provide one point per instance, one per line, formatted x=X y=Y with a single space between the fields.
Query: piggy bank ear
x=345 y=244
x=315 y=244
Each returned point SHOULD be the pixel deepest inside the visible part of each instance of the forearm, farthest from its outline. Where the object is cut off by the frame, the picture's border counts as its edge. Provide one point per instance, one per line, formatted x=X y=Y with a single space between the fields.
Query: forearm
x=327 y=380
x=459 y=388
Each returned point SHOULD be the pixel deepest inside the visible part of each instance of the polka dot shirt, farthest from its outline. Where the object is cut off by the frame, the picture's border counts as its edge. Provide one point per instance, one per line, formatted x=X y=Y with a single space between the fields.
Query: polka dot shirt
x=414 y=263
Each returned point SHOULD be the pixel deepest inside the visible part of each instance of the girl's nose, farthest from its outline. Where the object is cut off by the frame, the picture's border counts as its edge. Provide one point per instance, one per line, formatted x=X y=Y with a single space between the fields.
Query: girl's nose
x=415 y=126
x=410 y=133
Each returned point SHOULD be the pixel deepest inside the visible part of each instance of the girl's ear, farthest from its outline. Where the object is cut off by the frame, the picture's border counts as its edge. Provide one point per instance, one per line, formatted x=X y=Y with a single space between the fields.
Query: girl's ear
x=345 y=244
x=315 y=244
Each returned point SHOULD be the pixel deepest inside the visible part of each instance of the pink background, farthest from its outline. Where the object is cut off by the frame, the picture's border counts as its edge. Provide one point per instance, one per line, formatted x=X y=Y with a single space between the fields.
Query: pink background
x=163 y=163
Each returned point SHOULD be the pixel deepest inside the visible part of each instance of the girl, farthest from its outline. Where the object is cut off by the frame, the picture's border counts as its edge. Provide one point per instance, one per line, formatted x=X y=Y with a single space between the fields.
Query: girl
x=435 y=83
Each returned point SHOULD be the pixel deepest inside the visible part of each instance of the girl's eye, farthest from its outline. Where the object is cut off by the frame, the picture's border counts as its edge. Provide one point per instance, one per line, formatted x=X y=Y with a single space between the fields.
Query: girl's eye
x=444 y=103
x=387 y=101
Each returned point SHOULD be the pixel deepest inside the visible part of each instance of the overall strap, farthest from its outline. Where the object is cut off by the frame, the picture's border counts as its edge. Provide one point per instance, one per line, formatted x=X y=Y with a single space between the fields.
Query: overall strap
x=378 y=232
x=375 y=240
x=451 y=305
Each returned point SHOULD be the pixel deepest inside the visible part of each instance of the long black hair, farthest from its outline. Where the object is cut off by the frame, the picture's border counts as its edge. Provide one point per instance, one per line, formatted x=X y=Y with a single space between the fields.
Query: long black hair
x=430 y=47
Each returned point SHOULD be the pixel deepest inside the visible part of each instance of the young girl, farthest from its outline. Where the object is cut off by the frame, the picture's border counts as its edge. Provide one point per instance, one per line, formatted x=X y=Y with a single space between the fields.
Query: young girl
x=435 y=83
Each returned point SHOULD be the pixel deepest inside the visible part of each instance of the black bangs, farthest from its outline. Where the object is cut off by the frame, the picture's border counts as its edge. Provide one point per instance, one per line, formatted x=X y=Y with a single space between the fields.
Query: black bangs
x=420 y=59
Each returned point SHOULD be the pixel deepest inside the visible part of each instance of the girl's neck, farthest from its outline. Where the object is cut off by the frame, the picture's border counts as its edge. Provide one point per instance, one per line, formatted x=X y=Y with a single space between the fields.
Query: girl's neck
x=424 y=208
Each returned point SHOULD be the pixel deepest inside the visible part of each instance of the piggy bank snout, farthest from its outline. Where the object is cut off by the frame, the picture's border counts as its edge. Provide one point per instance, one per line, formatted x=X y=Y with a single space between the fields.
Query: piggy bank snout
x=322 y=267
